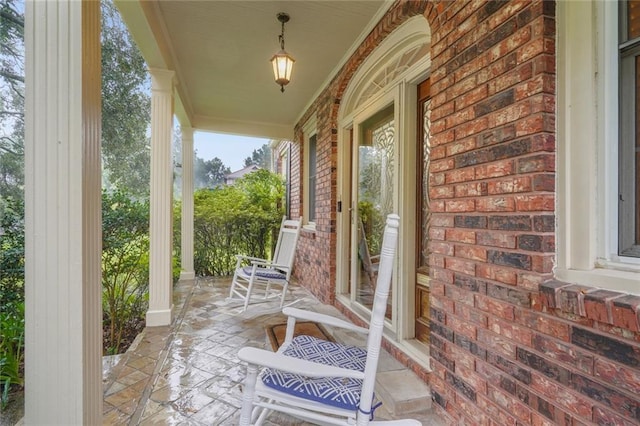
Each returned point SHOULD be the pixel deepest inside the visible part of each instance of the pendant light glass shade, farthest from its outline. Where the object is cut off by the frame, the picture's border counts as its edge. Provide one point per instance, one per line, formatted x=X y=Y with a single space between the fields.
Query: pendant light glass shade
x=282 y=65
x=282 y=62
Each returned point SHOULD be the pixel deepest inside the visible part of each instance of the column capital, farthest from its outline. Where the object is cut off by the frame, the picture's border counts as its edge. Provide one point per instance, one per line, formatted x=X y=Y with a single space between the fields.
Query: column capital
x=162 y=79
x=187 y=132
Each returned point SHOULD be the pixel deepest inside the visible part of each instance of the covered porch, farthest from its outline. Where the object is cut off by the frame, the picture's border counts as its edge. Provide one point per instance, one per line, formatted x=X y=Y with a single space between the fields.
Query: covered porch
x=210 y=81
x=189 y=373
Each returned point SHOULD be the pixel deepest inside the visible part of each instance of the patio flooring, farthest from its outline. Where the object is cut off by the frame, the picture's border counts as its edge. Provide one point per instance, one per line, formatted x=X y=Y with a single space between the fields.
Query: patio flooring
x=189 y=373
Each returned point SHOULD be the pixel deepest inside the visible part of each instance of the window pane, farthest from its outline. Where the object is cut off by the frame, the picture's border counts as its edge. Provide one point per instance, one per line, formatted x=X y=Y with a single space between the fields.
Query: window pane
x=636 y=156
x=376 y=175
x=312 y=178
x=426 y=211
x=629 y=149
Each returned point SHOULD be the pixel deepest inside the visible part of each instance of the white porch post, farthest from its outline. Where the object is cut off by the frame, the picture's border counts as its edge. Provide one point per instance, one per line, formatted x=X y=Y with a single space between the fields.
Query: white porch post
x=186 y=242
x=161 y=223
x=63 y=368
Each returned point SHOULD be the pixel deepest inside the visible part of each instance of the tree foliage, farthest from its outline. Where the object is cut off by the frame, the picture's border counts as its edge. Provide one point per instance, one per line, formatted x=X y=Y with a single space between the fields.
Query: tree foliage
x=11 y=99
x=11 y=252
x=126 y=107
x=209 y=173
x=11 y=295
x=125 y=267
x=260 y=157
x=235 y=219
x=126 y=154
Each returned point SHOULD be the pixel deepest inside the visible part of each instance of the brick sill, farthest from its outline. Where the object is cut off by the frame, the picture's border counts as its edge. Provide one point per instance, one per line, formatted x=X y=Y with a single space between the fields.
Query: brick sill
x=308 y=232
x=604 y=306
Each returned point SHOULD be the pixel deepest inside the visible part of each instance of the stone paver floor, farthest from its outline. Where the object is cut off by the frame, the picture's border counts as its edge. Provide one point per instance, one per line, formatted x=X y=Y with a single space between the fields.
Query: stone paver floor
x=189 y=373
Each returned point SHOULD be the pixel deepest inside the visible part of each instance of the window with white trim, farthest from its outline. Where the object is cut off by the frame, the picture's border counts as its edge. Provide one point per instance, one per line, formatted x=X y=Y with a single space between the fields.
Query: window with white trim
x=629 y=199
x=598 y=104
x=310 y=137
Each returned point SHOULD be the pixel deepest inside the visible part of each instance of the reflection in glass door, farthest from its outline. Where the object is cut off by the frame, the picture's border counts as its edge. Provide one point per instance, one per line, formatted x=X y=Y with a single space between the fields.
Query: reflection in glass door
x=374 y=174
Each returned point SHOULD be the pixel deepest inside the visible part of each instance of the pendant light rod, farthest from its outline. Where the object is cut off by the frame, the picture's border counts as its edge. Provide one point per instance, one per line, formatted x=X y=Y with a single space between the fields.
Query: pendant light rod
x=283 y=18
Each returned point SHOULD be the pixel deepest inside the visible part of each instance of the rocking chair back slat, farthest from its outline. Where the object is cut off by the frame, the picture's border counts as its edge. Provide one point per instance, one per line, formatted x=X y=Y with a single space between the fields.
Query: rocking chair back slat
x=285 y=251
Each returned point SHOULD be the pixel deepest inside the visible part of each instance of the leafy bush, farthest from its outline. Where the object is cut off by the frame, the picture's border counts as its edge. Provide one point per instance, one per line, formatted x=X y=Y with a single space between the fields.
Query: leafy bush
x=125 y=267
x=240 y=218
x=373 y=222
x=11 y=295
x=11 y=348
x=11 y=252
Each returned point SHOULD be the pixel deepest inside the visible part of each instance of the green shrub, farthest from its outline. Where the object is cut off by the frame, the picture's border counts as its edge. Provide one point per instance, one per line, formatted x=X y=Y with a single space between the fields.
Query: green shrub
x=373 y=222
x=236 y=219
x=11 y=295
x=11 y=348
x=11 y=252
x=125 y=267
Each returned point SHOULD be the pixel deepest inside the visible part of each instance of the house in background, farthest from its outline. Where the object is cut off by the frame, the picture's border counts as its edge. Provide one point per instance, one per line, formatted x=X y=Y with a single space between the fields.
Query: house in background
x=504 y=134
x=234 y=176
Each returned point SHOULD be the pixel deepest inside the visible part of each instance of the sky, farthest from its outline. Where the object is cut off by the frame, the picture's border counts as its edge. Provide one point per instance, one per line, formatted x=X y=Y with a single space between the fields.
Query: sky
x=231 y=149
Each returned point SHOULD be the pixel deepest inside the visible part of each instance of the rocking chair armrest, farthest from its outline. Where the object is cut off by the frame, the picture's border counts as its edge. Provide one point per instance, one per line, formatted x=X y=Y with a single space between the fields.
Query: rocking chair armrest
x=323 y=319
x=268 y=264
x=289 y=364
x=250 y=258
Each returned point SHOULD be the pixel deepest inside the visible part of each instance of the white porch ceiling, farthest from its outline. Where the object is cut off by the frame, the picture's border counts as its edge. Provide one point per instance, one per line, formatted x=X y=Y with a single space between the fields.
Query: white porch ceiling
x=220 y=51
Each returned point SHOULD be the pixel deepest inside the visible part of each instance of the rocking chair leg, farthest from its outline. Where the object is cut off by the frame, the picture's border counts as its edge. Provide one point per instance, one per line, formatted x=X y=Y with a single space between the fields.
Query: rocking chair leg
x=249 y=290
x=263 y=415
x=247 y=397
x=285 y=286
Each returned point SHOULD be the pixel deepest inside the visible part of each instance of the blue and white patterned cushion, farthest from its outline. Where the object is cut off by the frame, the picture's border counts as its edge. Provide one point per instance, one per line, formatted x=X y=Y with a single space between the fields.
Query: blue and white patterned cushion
x=270 y=274
x=337 y=392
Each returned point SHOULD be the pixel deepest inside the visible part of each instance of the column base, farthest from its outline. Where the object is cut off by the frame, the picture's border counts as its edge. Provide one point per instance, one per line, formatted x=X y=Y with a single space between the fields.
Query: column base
x=160 y=317
x=187 y=276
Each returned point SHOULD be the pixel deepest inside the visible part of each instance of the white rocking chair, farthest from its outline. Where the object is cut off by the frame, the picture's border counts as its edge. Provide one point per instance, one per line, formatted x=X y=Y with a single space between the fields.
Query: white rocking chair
x=322 y=382
x=270 y=278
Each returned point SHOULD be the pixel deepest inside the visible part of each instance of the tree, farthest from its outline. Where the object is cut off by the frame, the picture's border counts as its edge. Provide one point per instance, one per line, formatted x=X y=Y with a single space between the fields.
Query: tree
x=11 y=99
x=260 y=157
x=126 y=107
x=263 y=189
x=209 y=174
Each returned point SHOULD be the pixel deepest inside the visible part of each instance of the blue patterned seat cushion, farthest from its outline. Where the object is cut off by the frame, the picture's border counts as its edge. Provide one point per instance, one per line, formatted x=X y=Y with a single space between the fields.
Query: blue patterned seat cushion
x=270 y=274
x=338 y=392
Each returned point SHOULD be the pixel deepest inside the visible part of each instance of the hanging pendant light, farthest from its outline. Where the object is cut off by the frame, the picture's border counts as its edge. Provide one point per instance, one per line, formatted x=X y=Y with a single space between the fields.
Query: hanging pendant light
x=282 y=62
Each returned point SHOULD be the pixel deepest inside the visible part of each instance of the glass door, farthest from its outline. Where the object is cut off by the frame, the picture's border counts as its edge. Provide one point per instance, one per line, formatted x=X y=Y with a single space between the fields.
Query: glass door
x=373 y=177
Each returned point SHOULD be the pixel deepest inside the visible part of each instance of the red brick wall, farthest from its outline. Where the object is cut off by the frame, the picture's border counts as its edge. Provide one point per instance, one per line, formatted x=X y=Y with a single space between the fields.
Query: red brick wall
x=315 y=265
x=509 y=345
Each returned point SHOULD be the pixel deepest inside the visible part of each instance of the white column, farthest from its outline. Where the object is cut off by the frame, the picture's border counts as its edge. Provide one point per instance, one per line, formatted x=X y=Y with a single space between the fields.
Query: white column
x=161 y=221
x=186 y=242
x=63 y=369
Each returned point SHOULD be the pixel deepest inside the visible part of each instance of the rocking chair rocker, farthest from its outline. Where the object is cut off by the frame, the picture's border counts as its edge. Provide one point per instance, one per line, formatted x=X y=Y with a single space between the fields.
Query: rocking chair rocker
x=322 y=382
